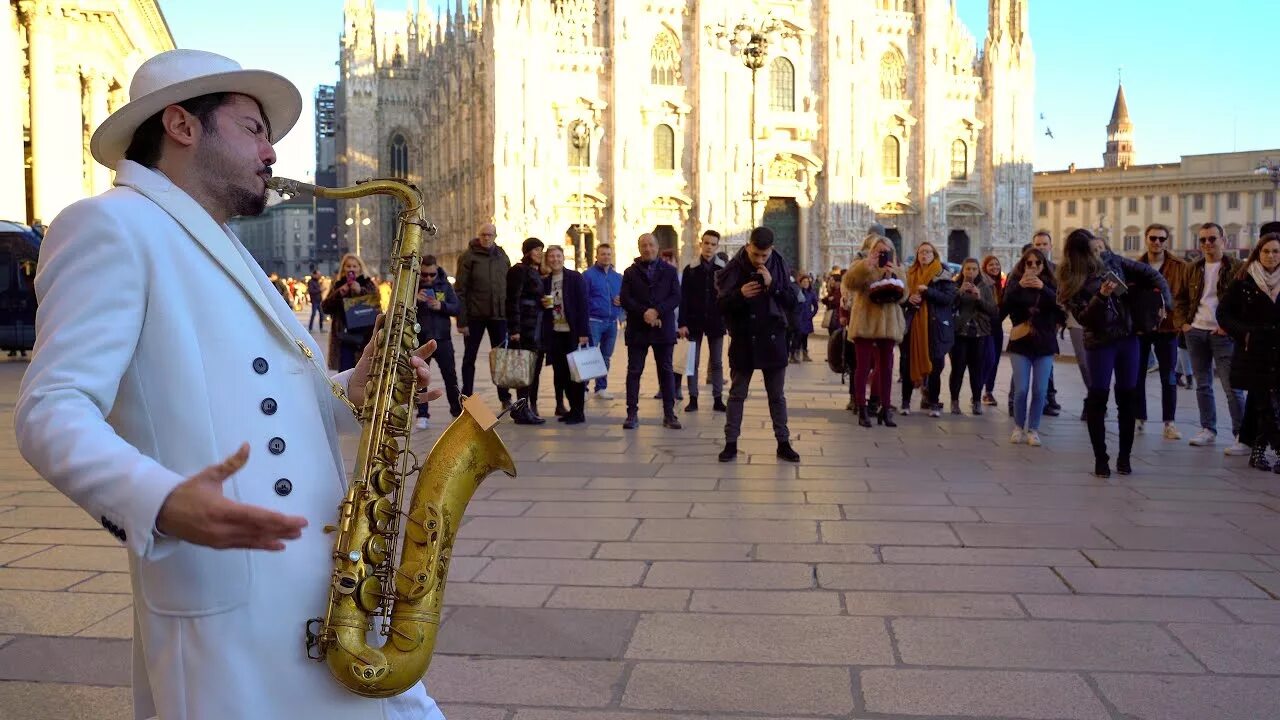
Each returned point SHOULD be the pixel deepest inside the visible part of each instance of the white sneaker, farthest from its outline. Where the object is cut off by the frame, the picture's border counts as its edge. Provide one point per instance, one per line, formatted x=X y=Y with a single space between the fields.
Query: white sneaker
x=1204 y=437
x=1171 y=432
x=1140 y=425
x=1237 y=448
x=1033 y=438
x=421 y=424
x=1017 y=437
x=604 y=394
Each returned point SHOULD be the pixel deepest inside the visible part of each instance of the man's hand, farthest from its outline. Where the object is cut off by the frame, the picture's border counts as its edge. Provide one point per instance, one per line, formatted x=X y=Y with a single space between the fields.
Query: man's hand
x=915 y=299
x=198 y=512
x=682 y=332
x=422 y=296
x=583 y=340
x=752 y=289
x=617 y=301
x=515 y=337
x=463 y=330
x=1219 y=331
x=651 y=316
x=764 y=273
x=360 y=374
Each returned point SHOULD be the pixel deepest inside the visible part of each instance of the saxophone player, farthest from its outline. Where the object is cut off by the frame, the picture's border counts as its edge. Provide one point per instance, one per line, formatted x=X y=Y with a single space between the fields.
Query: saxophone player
x=202 y=435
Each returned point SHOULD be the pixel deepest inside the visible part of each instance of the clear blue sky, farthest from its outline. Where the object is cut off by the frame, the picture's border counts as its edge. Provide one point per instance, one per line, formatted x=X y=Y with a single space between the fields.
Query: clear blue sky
x=1199 y=76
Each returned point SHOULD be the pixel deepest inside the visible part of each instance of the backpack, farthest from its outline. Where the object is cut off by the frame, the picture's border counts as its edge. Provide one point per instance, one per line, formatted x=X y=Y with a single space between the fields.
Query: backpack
x=835 y=352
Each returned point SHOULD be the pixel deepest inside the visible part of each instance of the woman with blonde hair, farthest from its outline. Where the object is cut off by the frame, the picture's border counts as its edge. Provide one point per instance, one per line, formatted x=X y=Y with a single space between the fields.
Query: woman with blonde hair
x=876 y=290
x=346 y=344
x=931 y=297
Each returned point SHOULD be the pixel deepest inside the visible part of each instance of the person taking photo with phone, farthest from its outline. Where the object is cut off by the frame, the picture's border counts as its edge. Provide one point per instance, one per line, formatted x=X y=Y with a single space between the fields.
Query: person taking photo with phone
x=1092 y=282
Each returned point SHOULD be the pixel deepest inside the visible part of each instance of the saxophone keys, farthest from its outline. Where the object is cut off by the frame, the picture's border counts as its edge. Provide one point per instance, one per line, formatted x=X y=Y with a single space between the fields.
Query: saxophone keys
x=368 y=595
x=375 y=549
x=414 y=582
x=345 y=582
x=381 y=515
x=424 y=526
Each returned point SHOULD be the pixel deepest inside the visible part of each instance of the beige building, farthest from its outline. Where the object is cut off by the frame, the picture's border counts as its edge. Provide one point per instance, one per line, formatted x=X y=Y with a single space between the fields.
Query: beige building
x=64 y=66
x=1119 y=199
x=631 y=116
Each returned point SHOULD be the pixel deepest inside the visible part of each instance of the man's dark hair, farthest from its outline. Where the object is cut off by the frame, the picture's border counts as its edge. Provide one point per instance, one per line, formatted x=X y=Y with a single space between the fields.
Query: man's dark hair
x=761 y=238
x=712 y=233
x=604 y=246
x=1268 y=228
x=1214 y=226
x=428 y=260
x=147 y=141
x=1026 y=247
x=1045 y=233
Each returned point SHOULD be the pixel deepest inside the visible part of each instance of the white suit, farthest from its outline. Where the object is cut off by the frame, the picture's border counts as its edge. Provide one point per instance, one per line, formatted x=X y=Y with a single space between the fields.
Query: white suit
x=160 y=348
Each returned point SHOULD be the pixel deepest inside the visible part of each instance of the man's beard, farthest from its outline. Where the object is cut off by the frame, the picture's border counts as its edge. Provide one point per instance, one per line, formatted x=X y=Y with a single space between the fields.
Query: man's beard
x=220 y=169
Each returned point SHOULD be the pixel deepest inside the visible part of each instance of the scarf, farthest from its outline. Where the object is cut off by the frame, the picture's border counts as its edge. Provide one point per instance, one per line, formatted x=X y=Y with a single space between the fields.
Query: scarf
x=921 y=366
x=1268 y=282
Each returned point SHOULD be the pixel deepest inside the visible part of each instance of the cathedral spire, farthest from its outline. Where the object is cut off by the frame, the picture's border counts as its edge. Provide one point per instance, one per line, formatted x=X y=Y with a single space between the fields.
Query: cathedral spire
x=1119 y=151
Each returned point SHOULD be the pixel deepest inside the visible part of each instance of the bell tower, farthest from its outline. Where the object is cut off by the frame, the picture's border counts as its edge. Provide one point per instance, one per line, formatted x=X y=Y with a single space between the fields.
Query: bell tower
x=1119 y=152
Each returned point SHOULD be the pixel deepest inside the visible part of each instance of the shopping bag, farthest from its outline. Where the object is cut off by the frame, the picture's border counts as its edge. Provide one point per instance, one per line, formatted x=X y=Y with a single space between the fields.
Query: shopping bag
x=511 y=368
x=587 y=363
x=361 y=311
x=690 y=360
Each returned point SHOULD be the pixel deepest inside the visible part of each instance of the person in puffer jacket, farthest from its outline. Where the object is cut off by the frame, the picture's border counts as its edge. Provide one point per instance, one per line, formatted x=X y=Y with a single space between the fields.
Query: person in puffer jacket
x=974 y=308
x=1092 y=282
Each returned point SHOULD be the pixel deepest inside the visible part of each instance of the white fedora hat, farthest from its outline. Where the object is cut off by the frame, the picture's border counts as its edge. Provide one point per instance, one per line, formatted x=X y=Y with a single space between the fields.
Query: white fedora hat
x=178 y=75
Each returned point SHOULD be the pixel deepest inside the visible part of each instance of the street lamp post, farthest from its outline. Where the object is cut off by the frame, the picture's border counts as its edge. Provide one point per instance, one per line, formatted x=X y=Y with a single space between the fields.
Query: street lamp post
x=752 y=43
x=580 y=136
x=361 y=217
x=1271 y=169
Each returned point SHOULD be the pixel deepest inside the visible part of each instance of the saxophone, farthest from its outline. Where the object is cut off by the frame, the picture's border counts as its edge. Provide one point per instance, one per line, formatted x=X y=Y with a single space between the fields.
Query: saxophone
x=369 y=587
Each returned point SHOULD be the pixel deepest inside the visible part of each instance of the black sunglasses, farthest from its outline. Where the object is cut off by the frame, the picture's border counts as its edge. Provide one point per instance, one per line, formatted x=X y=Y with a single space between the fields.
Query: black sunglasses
x=1157 y=238
x=428 y=274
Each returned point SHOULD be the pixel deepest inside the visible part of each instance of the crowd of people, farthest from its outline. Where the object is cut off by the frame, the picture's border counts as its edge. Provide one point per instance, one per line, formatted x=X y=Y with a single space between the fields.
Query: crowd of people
x=1194 y=318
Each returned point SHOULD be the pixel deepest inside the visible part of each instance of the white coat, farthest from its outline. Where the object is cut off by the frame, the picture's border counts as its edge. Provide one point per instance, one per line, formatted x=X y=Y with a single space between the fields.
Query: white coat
x=160 y=348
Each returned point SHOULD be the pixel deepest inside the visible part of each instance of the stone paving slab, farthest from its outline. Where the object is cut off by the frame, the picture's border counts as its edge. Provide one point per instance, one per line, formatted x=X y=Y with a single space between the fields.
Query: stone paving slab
x=927 y=571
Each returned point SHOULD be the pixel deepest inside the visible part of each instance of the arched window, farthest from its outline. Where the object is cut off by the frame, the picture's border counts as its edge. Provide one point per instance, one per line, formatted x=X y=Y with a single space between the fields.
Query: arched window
x=782 y=85
x=664 y=60
x=891 y=160
x=959 y=160
x=664 y=148
x=399 y=157
x=893 y=75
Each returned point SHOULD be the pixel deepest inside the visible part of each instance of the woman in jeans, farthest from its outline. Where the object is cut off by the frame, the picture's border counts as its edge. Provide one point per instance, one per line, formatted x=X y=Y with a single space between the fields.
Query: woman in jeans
x=875 y=289
x=1031 y=303
x=974 y=308
x=1088 y=280
x=1250 y=313
x=931 y=297
x=566 y=326
x=992 y=271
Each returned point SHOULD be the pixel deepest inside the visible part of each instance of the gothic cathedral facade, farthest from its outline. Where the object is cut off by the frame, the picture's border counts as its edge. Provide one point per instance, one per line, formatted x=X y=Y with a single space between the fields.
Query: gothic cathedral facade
x=591 y=121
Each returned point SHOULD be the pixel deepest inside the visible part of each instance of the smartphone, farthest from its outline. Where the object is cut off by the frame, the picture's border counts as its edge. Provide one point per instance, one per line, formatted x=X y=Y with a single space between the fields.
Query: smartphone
x=756 y=278
x=1110 y=276
x=351 y=276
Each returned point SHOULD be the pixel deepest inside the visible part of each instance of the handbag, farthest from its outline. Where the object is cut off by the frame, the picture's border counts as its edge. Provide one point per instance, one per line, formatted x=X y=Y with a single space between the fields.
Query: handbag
x=511 y=368
x=835 y=352
x=690 y=360
x=1146 y=307
x=361 y=311
x=1021 y=330
x=587 y=363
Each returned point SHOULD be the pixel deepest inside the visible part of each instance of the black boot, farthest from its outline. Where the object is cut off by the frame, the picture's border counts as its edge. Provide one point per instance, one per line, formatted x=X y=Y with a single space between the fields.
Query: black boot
x=729 y=452
x=1258 y=458
x=1127 y=402
x=718 y=405
x=873 y=405
x=885 y=417
x=1095 y=412
x=785 y=452
x=863 y=419
x=692 y=406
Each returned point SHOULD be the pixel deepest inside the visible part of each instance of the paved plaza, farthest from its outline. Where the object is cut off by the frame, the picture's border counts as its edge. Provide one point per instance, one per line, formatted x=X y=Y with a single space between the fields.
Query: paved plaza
x=931 y=570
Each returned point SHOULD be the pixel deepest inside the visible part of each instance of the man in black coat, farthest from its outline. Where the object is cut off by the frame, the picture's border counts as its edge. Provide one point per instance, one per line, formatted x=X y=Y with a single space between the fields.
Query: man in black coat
x=650 y=296
x=437 y=304
x=757 y=299
x=700 y=317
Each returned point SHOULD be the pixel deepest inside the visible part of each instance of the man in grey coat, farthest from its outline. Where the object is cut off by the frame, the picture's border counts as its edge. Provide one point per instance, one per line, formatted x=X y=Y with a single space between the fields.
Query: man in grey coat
x=481 y=286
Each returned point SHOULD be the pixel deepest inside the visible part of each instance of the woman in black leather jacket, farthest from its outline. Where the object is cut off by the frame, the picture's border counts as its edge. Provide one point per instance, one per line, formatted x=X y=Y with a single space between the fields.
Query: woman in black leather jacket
x=1091 y=286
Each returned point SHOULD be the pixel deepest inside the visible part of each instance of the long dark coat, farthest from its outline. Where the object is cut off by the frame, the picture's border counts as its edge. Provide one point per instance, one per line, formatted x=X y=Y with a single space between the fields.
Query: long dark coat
x=650 y=284
x=757 y=327
x=336 y=310
x=1252 y=319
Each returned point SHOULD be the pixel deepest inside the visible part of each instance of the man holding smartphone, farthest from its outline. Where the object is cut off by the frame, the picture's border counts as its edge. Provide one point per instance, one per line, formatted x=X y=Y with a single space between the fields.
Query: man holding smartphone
x=437 y=305
x=757 y=301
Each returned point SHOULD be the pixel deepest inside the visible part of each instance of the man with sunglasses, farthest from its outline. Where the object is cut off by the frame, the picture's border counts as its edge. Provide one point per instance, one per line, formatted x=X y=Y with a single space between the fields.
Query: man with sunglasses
x=437 y=303
x=1196 y=307
x=1164 y=341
